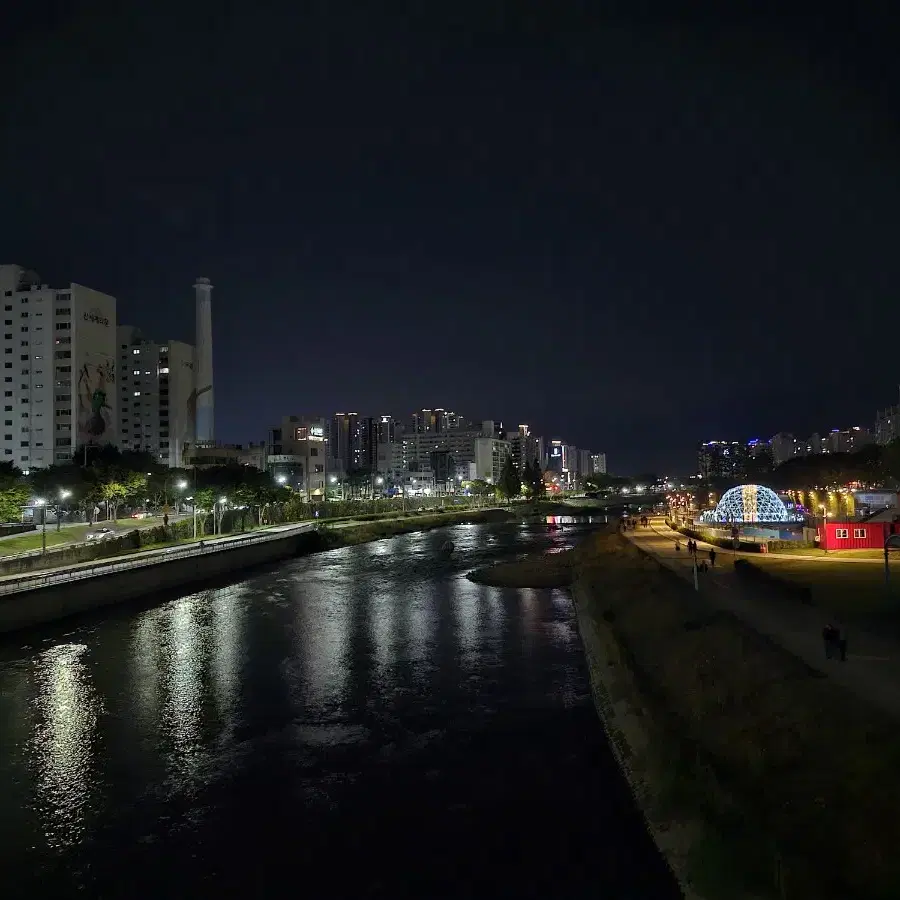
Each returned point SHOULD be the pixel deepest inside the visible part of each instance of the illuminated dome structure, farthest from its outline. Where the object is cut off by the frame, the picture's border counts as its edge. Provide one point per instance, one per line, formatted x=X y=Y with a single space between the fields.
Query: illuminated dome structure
x=748 y=503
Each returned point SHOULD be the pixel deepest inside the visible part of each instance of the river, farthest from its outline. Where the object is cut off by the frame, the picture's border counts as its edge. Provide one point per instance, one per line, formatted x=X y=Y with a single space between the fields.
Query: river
x=363 y=722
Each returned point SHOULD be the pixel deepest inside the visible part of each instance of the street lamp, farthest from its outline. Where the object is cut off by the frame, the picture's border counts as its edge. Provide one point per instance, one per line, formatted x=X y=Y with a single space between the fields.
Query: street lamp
x=281 y=479
x=63 y=495
x=42 y=503
x=824 y=526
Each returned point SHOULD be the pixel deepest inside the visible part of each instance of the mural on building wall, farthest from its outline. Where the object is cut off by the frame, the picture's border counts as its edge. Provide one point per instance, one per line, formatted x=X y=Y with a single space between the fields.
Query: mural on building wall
x=95 y=415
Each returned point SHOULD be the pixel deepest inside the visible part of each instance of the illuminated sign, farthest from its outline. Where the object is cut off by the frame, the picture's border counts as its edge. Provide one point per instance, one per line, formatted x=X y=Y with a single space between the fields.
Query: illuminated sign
x=313 y=432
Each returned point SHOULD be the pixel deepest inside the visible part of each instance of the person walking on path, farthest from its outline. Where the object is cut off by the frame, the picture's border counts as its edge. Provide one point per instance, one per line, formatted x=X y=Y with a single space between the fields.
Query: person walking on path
x=830 y=637
x=712 y=557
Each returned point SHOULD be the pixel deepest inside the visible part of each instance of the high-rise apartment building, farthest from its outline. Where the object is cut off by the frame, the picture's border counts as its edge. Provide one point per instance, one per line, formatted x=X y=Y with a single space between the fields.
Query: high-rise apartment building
x=156 y=396
x=59 y=369
x=598 y=463
x=346 y=441
x=430 y=421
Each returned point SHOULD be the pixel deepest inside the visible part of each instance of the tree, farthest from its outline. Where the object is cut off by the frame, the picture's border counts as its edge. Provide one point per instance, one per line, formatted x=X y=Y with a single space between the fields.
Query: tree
x=14 y=493
x=480 y=488
x=60 y=486
x=537 y=487
x=510 y=484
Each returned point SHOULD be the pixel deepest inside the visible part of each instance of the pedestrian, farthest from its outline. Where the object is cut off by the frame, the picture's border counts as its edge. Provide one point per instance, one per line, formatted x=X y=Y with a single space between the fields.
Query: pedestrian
x=712 y=557
x=830 y=639
x=165 y=520
x=677 y=546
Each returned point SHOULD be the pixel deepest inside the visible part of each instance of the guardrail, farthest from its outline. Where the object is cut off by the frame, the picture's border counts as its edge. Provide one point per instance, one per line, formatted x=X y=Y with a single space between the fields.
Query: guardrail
x=147 y=558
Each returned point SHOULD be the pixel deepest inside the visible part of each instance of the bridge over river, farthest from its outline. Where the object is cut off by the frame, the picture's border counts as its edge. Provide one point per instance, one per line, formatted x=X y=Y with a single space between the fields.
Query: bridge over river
x=364 y=722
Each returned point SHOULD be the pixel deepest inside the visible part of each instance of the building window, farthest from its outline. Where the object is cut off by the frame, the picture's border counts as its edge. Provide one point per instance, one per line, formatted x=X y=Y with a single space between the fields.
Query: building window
x=23 y=315
x=841 y=532
x=135 y=352
x=63 y=354
x=137 y=393
x=320 y=469
x=859 y=532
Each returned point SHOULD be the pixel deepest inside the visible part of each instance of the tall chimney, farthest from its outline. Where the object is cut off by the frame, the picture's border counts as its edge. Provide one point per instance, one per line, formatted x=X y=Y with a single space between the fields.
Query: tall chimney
x=203 y=364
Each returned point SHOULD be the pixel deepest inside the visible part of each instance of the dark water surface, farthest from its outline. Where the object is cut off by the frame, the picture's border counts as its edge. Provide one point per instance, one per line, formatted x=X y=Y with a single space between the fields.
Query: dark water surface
x=364 y=722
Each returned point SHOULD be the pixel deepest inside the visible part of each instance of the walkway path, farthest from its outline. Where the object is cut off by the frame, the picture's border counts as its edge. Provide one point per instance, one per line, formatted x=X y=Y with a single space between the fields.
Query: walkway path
x=872 y=670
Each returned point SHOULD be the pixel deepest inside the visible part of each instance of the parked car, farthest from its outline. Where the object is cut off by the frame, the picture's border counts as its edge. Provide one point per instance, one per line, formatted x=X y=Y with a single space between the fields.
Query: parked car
x=100 y=534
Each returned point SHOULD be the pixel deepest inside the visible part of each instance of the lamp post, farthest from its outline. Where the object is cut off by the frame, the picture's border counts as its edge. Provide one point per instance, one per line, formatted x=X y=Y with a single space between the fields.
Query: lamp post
x=182 y=485
x=222 y=502
x=63 y=495
x=40 y=502
x=824 y=526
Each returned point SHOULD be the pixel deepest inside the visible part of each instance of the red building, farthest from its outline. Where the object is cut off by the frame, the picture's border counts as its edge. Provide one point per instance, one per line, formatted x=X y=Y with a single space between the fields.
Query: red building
x=856 y=535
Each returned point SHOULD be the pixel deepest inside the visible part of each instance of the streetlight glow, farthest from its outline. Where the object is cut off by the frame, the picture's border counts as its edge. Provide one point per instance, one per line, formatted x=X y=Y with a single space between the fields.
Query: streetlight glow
x=181 y=485
x=281 y=479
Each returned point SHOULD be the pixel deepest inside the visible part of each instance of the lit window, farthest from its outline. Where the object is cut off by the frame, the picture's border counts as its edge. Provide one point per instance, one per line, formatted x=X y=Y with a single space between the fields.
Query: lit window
x=842 y=532
x=164 y=370
x=137 y=393
x=135 y=352
x=136 y=372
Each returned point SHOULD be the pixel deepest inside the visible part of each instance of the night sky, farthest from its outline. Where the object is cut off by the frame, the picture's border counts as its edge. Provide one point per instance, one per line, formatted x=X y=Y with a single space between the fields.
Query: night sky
x=631 y=231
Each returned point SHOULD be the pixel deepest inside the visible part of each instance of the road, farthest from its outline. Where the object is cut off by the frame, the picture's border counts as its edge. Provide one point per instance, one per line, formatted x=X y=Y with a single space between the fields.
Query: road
x=872 y=670
x=120 y=526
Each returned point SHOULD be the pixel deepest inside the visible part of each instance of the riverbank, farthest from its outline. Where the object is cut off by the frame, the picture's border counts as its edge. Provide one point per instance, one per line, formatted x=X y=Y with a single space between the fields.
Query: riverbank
x=550 y=570
x=757 y=778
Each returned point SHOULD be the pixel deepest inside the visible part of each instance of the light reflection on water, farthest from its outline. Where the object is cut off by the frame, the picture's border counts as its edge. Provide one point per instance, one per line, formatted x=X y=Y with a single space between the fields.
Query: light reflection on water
x=62 y=748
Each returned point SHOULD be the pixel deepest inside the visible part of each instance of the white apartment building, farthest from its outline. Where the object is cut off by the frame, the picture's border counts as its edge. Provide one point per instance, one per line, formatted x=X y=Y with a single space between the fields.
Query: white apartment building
x=598 y=463
x=59 y=369
x=411 y=452
x=490 y=457
x=156 y=412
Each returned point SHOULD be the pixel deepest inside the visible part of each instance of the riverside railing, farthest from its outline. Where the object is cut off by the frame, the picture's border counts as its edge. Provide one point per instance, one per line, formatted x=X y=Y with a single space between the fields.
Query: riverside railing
x=17 y=583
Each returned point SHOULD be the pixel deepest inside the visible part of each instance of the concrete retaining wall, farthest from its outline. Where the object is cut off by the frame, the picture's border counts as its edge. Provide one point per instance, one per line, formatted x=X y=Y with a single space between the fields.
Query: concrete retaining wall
x=53 y=602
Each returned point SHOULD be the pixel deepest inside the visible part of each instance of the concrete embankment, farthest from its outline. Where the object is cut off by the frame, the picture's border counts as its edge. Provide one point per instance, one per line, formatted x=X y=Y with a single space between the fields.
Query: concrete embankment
x=757 y=778
x=60 y=599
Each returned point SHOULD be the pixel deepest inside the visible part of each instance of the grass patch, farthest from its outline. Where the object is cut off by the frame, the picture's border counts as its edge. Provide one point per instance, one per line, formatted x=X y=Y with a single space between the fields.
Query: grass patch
x=785 y=775
x=853 y=591
x=546 y=571
x=22 y=543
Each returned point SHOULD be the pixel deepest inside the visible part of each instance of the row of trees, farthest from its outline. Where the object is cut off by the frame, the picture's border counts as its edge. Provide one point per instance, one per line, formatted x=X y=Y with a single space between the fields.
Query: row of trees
x=110 y=480
x=874 y=465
